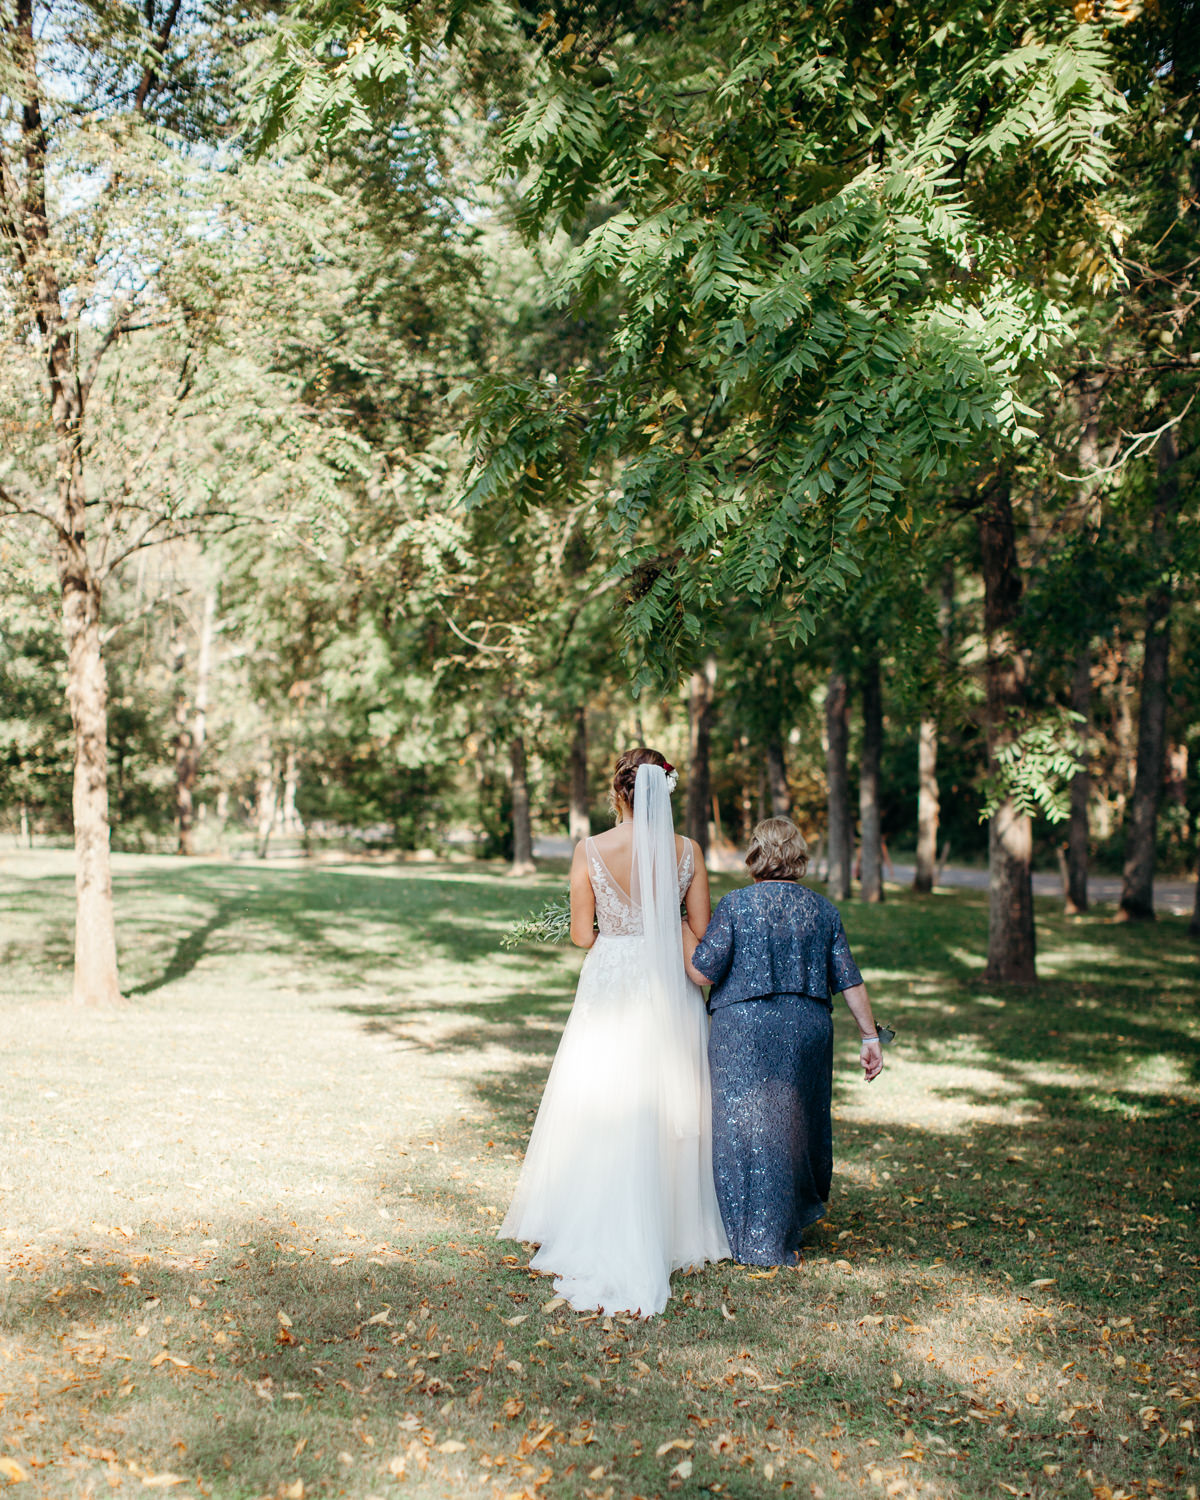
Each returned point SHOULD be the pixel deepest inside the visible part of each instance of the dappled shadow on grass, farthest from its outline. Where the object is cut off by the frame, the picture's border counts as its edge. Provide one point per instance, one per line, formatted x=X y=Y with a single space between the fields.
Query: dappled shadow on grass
x=350 y=923
x=878 y=1351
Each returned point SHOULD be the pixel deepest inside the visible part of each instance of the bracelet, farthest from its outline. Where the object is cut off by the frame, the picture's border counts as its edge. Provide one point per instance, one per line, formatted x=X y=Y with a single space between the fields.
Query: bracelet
x=867 y=1039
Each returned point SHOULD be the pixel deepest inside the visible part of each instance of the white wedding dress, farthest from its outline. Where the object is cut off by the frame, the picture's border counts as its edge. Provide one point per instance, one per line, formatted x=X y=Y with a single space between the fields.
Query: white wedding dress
x=617 y=1186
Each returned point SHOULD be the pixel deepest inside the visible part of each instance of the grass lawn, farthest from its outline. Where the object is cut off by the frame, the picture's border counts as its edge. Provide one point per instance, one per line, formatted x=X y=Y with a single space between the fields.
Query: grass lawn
x=248 y=1221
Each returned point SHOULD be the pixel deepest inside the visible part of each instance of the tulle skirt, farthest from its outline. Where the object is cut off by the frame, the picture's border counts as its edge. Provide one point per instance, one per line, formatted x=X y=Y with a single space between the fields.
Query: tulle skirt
x=613 y=1194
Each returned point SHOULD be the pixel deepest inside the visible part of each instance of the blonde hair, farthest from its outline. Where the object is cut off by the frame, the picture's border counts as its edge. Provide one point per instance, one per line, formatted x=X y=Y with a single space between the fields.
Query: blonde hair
x=777 y=851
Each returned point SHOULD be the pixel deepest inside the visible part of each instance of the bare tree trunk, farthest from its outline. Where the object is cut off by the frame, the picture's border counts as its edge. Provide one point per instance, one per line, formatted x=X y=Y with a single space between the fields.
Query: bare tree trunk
x=699 y=787
x=289 y=818
x=781 y=792
x=1194 y=924
x=868 y=783
x=837 y=730
x=522 y=861
x=190 y=737
x=579 y=823
x=1078 y=832
x=928 y=805
x=266 y=795
x=25 y=214
x=1075 y=900
x=97 y=981
x=1137 y=887
x=1012 y=944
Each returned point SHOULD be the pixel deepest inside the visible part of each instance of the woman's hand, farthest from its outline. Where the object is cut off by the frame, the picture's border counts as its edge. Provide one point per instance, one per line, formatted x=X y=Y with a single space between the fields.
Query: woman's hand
x=871 y=1057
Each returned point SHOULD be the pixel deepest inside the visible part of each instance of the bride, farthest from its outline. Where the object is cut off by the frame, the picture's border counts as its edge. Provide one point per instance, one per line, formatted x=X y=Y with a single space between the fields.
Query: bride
x=617 y=1184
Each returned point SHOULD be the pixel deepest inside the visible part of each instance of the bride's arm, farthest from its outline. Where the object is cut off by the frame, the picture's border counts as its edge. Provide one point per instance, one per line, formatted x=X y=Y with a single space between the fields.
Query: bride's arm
x=690 y=943
x=698 y=902
x=583 y=901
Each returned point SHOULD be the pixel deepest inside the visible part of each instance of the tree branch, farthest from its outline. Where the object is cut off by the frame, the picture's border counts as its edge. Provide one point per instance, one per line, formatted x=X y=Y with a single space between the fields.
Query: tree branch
x=13 y=506
x=150 y=74
x=1141 y=441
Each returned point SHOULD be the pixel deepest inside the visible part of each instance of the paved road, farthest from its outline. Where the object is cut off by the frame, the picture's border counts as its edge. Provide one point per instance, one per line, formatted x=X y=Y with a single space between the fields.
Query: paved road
x=1174 y=896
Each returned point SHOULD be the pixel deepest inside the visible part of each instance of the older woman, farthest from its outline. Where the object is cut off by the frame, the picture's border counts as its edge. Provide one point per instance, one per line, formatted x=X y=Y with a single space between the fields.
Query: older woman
x=774 y=953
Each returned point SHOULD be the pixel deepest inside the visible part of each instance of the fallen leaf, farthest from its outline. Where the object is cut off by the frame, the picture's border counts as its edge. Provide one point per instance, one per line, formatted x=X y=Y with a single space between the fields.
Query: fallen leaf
x=451 y=1445
x=283 y=1318
x=342 y=1260
x=380 y=1317
x=764 y=1275
x=1044 y=1281
x=896 y=1381
x=726 y=1314
x=396 y=1467
x=768 y=1472
x=958 y=1224
x=162 y=1358
x=194 y=1301
x=684 y=1443
x=554 y=1304
x=597 y=1472
x=162 y=1481
x=513 y=1408
x=293 y=1491
x=1032 y=1397
x=515 y=1322
x=683 y=1470
x=13 y=1471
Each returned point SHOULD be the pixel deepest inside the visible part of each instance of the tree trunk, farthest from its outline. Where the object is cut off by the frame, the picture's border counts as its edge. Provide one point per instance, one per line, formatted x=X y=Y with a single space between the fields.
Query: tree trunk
x=190 y=737
x=579 y=823
x=97 y=981
x=928 y=806
x=837 y=730
x=1194 y=924
x=289 y=818
x=781 y=793
x=699 y=788
x=868 y=783
x=266 y=795
x=39 y=302
x=1137 y=887
x=203 y=673
x=1012 y=944
x=1078 y=832
x=522 y=861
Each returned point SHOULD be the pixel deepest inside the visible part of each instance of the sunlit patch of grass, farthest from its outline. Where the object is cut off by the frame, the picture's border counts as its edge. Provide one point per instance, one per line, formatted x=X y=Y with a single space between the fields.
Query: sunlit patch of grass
x=249 y=1219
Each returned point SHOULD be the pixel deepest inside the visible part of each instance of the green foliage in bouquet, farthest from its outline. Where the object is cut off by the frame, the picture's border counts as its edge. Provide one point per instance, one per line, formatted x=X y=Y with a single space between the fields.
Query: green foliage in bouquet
x=552 y=924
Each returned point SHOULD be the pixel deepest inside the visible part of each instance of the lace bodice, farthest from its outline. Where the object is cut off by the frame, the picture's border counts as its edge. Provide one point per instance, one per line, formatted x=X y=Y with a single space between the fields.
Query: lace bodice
x=617 y=914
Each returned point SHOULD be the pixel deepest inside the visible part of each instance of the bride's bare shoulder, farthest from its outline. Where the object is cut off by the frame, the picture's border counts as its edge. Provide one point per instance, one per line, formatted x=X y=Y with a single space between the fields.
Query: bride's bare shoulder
x=611 y=838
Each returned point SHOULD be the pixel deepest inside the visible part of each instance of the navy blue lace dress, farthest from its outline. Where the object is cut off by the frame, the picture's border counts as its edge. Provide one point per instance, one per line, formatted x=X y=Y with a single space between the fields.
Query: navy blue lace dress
x=776 y=953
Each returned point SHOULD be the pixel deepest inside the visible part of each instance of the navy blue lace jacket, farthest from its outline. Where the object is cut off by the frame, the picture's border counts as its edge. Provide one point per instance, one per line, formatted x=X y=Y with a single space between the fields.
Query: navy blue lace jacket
x=775 y=938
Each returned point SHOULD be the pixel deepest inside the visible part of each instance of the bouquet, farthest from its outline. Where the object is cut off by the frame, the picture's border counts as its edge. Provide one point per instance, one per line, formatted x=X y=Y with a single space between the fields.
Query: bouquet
x=550 y=925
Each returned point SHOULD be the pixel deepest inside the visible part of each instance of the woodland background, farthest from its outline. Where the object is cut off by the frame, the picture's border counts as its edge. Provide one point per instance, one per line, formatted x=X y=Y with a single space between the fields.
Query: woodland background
x=406 y=409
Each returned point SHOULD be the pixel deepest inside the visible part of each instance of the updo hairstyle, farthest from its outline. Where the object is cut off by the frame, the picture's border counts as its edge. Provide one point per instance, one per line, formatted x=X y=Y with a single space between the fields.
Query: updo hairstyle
x=626 y=771
x=777 y=851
